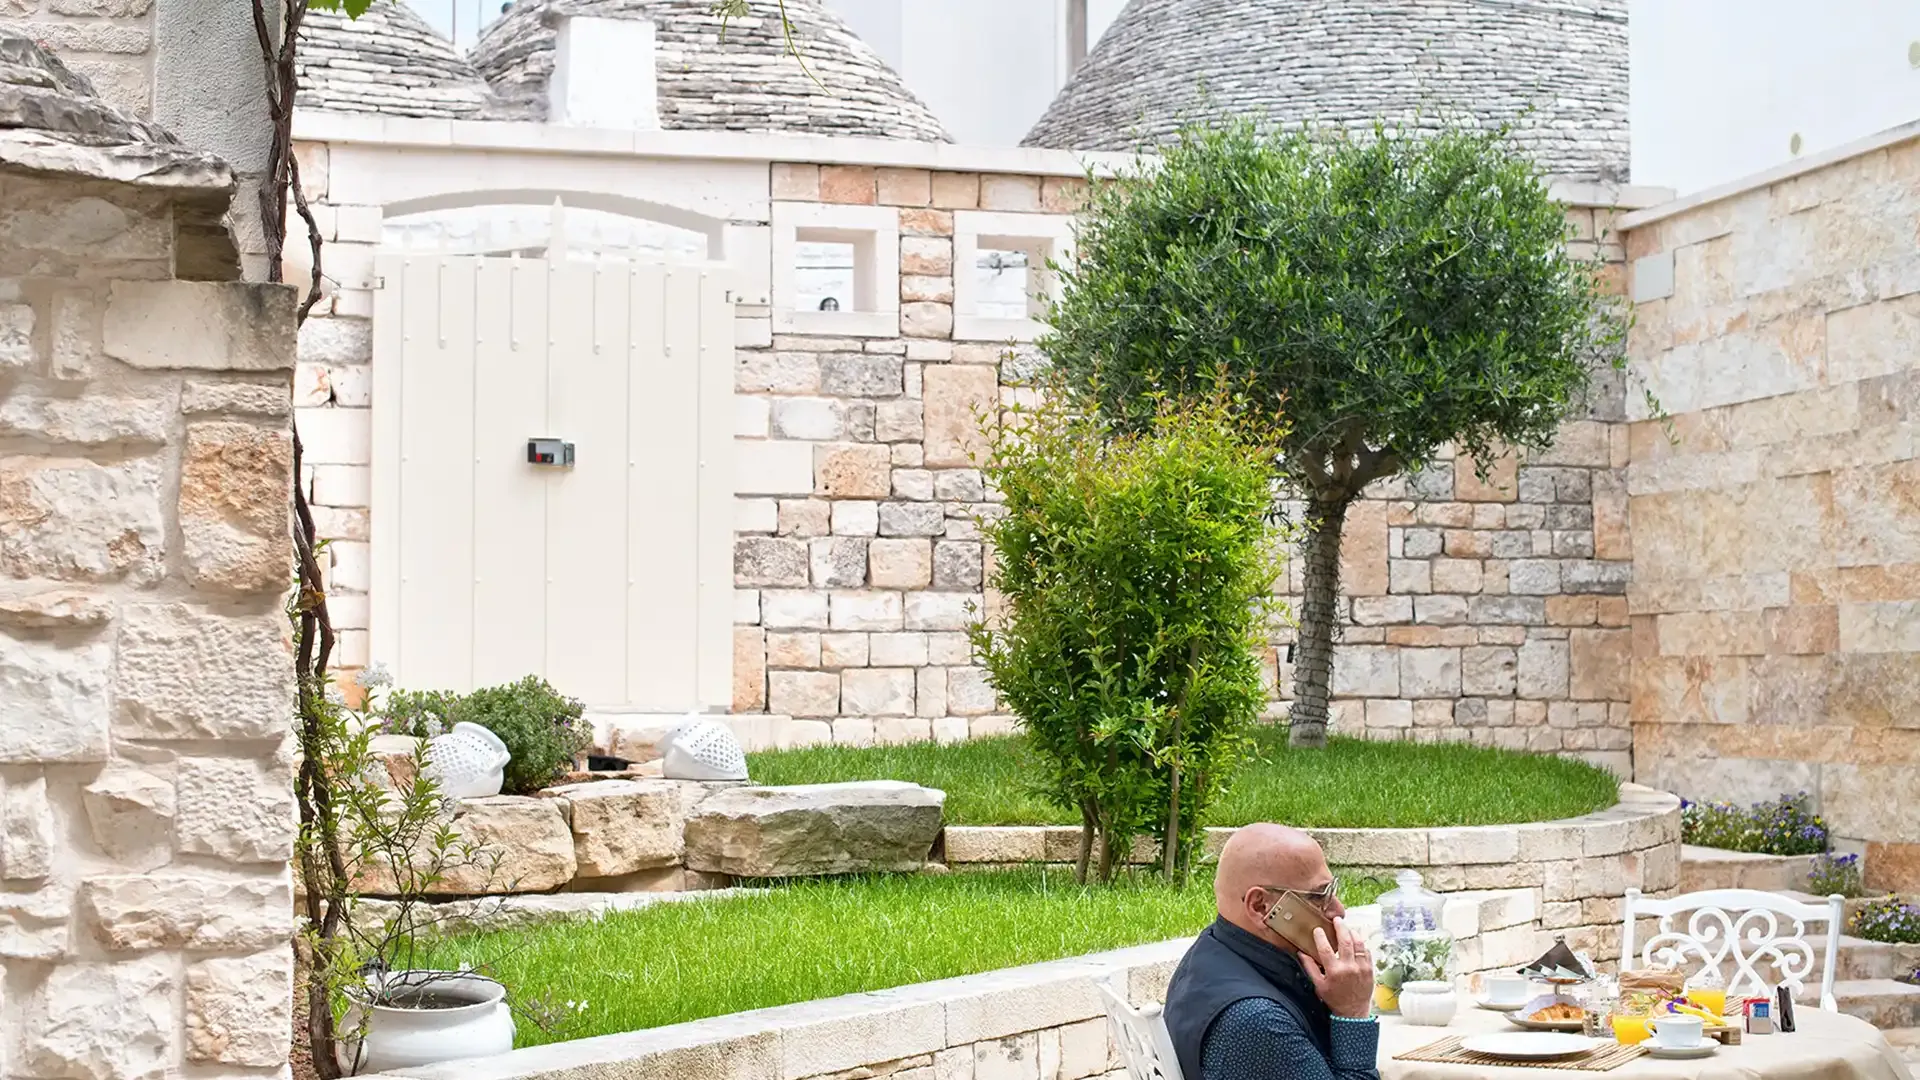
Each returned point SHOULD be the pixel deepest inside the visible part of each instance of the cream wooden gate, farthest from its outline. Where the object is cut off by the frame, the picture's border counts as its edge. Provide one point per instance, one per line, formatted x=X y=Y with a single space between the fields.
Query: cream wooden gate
x=611 y=577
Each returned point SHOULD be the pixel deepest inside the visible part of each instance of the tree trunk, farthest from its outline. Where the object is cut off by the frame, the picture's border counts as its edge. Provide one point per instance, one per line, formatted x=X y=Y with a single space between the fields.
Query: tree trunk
x=1313 y=653
x=1086 y=845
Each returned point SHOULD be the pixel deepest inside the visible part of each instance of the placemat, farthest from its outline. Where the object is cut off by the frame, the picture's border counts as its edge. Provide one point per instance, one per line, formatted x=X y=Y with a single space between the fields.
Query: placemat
x=1448 y=1052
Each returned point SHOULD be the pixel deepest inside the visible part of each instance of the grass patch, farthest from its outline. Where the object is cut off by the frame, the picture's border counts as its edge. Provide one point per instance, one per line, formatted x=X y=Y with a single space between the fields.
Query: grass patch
x=1352 y=783
x=814 y=939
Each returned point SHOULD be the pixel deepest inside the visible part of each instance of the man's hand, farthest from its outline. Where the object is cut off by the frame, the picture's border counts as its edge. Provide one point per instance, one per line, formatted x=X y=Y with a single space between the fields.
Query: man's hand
x=1342 y=975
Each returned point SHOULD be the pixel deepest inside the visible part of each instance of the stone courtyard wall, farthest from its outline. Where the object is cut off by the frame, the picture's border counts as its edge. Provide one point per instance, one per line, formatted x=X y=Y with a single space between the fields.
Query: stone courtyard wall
x=1775 y=601
x=146 y=809
x=1486 y=611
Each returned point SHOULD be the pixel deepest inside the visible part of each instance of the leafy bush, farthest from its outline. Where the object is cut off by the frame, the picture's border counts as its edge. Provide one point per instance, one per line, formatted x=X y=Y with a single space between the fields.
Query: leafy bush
x=1136 y=570
x=1888 y=920
x=1782 y=826
x=1835 y=874
x=541 y=727
x=1398 y=292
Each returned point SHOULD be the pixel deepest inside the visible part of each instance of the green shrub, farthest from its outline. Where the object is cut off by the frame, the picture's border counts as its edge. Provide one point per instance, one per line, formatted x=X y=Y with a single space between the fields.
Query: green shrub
x=541 y=727
x=1136 y=569
x=1400 y=292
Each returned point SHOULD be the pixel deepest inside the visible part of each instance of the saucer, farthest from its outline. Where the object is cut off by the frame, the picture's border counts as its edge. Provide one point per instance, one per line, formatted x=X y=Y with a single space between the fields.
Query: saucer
x=1682 y=1053
x=1499 y=1006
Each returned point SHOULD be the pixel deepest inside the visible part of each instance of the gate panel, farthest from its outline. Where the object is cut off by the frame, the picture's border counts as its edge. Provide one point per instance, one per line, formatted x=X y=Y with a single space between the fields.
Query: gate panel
x=436 y=509
x=509 y=497
x=611 y=578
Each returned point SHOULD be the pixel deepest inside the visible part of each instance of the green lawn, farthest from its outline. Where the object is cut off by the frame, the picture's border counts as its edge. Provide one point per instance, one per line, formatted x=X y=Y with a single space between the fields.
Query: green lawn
x=1352 y=783
x=813 y=939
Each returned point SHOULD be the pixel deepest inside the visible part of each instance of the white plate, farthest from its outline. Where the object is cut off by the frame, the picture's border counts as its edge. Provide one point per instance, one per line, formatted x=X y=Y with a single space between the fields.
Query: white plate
x=1674 y=1053
x=1498 y=1006
x=1529 y=1045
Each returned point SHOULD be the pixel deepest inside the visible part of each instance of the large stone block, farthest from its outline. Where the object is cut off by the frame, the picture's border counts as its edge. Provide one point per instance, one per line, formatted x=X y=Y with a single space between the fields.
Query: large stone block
x=101 y=1022
x=74 y=520
x=766 y=832
x=237 y=809
x=201 y=324
x=189 y=673
x=130 y=813
x=56 y=701
x=234 y=524
x=621 y=826
x=34 y=924
x=958 y=398
x=27 y=831
x=95 y=418
x=135 y=913
x=518 y=845
x=240 y=1010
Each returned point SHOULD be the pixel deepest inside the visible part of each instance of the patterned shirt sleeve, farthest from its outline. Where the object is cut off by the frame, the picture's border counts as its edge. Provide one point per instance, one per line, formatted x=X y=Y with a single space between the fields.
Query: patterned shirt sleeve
x=1257 y=1039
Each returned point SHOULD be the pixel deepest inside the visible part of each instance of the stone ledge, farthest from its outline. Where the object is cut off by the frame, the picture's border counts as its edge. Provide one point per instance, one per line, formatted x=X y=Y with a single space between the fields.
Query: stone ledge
x=1643 y=819
x=966 y=1016
x=1717 y=868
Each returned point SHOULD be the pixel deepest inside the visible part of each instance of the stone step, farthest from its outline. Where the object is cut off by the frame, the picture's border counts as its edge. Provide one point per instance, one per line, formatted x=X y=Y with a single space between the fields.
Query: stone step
x=1906 y=1043
x=1703 y=868
x=1884 y=1003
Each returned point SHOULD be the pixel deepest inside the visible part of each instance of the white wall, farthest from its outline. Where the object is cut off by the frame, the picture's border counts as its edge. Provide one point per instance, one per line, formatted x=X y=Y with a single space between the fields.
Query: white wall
x=987 y=68
x=1721 y=87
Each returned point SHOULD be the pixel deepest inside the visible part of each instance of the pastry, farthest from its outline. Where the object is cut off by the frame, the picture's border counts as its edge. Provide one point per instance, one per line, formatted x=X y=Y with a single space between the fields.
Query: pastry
x=1559 y=1010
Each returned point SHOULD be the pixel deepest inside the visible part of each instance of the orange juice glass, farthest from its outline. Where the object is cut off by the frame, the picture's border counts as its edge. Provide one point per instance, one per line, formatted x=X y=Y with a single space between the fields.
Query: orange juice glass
x=1711 y=998
x=1632 y=1029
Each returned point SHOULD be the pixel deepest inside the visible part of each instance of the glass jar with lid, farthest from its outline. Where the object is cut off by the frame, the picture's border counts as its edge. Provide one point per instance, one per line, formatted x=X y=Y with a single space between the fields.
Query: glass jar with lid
x=1414 y=945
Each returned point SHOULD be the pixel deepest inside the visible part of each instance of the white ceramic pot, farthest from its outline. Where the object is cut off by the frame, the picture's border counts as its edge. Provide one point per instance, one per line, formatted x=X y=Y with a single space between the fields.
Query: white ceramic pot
x=468 y=762
x=1429 y=1004
x=476 y=1023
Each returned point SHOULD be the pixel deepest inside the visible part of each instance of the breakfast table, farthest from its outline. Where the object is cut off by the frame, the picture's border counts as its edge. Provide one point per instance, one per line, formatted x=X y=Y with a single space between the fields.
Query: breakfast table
x=1826 y=1046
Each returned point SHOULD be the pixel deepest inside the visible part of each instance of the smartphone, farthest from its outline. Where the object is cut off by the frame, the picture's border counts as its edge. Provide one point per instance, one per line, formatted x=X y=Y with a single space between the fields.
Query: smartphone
x=1295 y=919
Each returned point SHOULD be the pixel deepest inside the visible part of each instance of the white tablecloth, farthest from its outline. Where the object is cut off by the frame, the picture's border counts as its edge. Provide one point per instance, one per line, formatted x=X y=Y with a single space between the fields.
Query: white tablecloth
x=1826 y=1046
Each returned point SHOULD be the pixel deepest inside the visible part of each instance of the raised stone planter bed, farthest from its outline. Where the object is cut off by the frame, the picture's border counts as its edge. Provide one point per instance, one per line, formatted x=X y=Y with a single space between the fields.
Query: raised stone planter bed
x=1040 y=1020
x=1581 y=867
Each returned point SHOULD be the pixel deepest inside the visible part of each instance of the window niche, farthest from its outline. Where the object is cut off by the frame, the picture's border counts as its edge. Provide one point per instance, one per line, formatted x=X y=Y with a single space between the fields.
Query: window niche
x=836 y=270
x=1001 y=283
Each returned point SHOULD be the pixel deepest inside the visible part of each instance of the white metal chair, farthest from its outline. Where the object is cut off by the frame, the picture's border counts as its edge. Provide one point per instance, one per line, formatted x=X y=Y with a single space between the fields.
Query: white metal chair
x=1746 y=926
x=1141 y=1034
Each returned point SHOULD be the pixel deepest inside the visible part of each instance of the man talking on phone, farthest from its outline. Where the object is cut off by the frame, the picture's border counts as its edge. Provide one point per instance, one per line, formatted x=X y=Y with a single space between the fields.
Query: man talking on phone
x=1277 y=988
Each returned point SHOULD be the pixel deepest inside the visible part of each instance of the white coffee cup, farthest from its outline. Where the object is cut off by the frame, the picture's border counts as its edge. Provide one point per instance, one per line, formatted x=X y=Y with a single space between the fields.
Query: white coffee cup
x=1506 y=990
x=1678 y=1032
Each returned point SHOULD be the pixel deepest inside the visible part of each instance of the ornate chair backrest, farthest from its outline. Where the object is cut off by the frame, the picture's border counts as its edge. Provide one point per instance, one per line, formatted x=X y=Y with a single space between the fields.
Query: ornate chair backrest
x=1733 y=933
x=1141 y=1035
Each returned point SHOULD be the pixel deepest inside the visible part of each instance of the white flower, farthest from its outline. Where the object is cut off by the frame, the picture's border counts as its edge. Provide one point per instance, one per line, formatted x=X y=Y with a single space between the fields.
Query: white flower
x=466 y=966
x=375 y=676
x=435 y=728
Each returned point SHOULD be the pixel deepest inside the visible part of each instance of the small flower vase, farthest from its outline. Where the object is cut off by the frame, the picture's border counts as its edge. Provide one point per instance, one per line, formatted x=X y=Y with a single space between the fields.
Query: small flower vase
x=1414 y=945
x=1429 y=1003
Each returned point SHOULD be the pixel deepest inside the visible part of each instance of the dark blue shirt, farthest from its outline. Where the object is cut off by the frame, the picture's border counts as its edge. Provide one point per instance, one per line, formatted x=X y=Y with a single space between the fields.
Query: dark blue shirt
x=1259 y=1039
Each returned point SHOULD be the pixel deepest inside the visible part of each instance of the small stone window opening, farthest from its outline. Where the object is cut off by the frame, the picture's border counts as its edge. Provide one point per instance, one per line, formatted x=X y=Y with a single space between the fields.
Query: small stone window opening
x=836 y=269
x=1004 y=277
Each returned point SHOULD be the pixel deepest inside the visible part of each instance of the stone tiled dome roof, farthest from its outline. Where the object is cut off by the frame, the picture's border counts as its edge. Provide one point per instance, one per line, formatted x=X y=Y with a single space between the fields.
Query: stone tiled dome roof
x=387 y=61
x=1556 y=70
x=744 y=81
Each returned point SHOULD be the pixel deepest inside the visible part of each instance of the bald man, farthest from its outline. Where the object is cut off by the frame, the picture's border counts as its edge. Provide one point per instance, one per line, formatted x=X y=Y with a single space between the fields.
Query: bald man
x=1244 y=1004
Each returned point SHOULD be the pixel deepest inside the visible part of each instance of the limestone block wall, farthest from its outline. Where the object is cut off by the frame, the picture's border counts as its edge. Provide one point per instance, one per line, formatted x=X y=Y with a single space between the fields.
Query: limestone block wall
x=146 y=810
x=1775 y=602
x=1487 y=610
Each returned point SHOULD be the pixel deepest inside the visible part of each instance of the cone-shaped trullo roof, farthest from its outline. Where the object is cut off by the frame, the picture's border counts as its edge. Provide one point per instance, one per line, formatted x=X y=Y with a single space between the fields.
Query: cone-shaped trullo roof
x=742 y=79
x=1555 y=70
x=387 y=61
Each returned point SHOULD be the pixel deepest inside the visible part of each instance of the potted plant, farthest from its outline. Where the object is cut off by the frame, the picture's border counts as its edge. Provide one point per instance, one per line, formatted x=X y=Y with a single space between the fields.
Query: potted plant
x=386 y=1008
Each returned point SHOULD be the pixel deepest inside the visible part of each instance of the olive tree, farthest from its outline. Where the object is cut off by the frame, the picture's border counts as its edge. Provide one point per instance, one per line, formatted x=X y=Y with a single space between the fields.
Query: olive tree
x=1397 y=294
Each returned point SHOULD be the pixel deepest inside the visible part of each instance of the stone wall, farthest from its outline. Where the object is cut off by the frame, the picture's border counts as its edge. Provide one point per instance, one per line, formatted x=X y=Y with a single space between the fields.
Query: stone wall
x=1576 y=870
x=190 y=65
x=1776 y=520
x=1490 y=611
x=146 y=811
